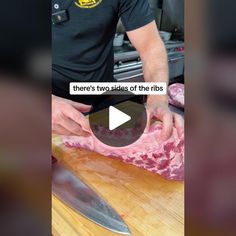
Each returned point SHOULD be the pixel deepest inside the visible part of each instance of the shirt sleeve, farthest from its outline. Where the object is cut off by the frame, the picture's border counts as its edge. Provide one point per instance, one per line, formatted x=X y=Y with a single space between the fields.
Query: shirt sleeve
x=135 y=13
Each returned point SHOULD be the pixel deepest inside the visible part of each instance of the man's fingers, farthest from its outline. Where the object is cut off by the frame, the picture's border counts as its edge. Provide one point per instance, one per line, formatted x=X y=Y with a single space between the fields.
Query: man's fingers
x=58 y=129
x=149 y=119
x=179 y=124
x=67 y=117
x=82 y=107
x=165 y=115
x=71 y=126
x=167 y=120
x=78 y=118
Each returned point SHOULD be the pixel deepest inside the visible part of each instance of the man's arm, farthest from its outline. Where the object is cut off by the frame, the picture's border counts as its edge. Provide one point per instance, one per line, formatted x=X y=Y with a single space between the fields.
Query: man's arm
x=152 y=51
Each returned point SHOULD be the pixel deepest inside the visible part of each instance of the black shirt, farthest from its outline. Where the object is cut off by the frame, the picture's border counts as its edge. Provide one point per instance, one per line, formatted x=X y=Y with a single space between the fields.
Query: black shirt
x=83 y=46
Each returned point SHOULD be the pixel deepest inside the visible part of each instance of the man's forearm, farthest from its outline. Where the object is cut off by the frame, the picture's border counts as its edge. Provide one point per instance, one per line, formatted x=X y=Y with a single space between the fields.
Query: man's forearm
x=155 y=66
x=152 y=51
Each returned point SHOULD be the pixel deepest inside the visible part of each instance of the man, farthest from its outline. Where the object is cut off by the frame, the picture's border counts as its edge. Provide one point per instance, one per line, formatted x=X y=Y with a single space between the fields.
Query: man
x=83 y=51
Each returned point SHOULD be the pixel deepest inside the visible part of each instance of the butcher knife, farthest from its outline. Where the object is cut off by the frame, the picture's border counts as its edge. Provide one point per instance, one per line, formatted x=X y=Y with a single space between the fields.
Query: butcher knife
x=77 y=195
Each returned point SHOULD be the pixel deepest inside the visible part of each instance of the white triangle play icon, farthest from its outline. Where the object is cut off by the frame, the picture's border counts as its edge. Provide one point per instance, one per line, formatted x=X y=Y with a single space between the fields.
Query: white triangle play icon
x=117 y=118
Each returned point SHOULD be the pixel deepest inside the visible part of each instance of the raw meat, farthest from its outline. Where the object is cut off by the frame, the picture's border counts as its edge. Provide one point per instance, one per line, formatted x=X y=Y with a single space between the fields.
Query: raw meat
x=176 y=94
x=164 y=158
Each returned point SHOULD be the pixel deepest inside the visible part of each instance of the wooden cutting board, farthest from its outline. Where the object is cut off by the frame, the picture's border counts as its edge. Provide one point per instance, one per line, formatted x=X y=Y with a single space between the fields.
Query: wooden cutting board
x=149 y=204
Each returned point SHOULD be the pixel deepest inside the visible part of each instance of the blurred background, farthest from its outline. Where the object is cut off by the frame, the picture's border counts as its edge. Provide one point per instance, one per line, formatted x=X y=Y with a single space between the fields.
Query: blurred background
x=207 y=65
x=25 y=87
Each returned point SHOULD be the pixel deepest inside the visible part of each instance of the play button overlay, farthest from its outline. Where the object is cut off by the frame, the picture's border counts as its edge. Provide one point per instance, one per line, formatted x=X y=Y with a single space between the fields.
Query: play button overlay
x=117 y=118
x=119 y=125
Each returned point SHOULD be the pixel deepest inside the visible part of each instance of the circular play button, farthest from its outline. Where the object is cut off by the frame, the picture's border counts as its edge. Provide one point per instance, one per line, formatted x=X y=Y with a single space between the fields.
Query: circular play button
x=121 y=124
x=117 y=118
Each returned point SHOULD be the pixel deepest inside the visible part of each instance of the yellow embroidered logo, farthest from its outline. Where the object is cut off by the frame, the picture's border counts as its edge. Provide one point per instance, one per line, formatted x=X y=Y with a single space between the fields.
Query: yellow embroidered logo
x=87 y=3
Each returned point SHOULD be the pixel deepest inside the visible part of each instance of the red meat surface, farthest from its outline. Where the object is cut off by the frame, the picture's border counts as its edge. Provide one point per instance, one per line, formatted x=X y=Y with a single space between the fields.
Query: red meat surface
x=176 y=95
x=149 y=152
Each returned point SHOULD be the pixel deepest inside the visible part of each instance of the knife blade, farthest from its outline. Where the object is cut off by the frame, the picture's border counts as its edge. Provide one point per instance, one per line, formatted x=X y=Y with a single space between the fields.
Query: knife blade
x=80 y=197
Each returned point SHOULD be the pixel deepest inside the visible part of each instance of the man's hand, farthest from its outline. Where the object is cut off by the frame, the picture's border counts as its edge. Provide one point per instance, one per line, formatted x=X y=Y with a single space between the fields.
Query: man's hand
x=67 y=117
x=152 y=51
x=157 y=107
